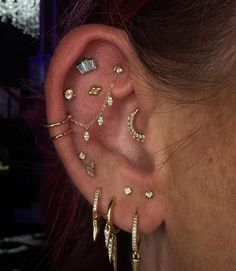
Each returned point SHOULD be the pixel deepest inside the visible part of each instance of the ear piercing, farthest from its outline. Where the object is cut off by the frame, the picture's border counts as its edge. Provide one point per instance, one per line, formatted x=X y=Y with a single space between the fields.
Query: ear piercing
x=69 y=94
x=128 y=191
x=90 y=166
x=61 y=135
x=136 y=135
x=86 y=65
x=108 y=101
x=95 y=90
x=110 y=232
x=149 y=194
x=56 y=124
x=97 y=219
x=136 y=259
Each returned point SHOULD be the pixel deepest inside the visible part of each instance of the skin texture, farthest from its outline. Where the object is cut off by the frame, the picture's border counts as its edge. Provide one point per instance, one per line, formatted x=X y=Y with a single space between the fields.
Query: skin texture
x=187 y=159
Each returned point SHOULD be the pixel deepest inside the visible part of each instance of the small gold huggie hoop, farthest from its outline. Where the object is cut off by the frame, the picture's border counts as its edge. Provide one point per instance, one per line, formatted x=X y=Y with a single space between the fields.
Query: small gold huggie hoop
x=56 y=124
x=61 y=135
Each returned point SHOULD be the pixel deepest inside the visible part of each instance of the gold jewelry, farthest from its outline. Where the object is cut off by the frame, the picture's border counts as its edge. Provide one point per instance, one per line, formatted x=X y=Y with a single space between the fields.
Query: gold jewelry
x=90 y=166
x=149 y=194
x=110 y=232
x=128 y=191
x=95 y=90
x=136 y=259
x=136 y=135
x=61 y=135
x=97 y=219
x=56 y=124
x=108 y=101
x=69 y=94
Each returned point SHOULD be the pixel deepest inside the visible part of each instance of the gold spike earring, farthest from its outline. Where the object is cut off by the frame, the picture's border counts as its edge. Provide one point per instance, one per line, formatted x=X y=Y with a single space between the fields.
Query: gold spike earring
x=97 y=219
x=110 y=232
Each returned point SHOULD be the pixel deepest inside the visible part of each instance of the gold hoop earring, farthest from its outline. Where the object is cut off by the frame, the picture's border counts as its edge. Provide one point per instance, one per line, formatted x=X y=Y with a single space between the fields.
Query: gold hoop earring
x=131 y=127
x=56 y=124
x=110 y=232
x=136 y=259
x=61 y=135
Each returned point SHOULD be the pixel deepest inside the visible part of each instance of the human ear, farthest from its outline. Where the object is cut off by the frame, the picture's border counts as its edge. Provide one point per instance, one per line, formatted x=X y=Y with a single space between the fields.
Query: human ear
x=120 y=160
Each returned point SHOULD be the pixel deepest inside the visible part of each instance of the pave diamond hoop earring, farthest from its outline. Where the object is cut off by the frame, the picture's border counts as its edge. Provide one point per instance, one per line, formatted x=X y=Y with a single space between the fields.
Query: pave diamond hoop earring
x=136 y=259
x=131 y=127
x=110 y=232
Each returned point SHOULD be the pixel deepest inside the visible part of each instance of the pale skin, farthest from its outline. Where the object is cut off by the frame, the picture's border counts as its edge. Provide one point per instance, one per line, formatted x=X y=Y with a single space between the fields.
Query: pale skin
x=188 y=158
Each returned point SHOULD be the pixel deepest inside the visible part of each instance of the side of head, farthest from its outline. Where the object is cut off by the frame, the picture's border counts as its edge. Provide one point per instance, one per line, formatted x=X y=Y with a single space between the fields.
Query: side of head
x=178 y=60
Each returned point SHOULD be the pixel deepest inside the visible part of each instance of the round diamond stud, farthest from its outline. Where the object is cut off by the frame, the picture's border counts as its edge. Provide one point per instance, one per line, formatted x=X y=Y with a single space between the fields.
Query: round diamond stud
x=69 y=94
x=128 y=191
x=82 y=156
x=118 y=70
x=149 y=194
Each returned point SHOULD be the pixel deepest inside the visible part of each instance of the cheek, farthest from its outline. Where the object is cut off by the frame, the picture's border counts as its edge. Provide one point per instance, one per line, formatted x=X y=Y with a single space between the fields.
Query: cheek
x=200 y=198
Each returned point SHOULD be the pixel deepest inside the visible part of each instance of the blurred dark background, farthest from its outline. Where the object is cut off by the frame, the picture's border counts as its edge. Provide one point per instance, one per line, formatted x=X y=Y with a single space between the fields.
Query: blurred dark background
x=23 y=62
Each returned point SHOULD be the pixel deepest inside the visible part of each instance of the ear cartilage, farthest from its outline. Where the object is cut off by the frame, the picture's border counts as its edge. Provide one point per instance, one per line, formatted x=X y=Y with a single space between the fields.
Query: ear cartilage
x=86 y=65
x=69 y=94
x=131 y=128
x=128 y=191
x=89 y=164
x=95 y=90
x=149 y=194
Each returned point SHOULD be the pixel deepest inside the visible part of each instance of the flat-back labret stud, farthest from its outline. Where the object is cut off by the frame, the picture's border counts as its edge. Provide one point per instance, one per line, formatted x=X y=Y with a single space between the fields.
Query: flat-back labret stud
x=118 y=70
x=149 y=194
x=69 y=94
x=86 y=65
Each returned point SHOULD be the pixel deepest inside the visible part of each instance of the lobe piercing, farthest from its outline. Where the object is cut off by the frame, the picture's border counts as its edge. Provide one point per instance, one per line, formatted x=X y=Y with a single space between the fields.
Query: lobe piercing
x=110 y=232
x=136 y=135
x=86 y=65
x=96 y=217
x=136 y=259
x=69 y=94
x=128 y=191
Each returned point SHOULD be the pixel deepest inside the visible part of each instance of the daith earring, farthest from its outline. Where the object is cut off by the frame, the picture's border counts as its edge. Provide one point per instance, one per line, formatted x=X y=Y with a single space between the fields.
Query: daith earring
x=86 y=65
x=136 y=259
x=110 y=232
x=97 y=219
x=69 y=94
x=131 y=128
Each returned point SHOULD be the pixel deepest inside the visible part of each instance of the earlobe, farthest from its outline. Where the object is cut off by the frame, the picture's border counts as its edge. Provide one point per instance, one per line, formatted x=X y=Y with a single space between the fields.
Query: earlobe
x=91 y=92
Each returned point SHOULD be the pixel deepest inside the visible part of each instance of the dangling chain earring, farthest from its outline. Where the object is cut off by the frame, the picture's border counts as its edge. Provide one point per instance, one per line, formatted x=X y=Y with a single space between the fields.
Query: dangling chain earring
x=136 y=259
x=110 y=232
x=99 y=117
